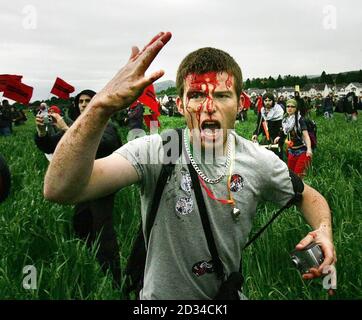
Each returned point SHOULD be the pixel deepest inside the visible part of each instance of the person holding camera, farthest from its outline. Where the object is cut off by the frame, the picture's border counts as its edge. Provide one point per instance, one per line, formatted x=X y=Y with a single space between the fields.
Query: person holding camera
x=205 y=212
x=94 y=218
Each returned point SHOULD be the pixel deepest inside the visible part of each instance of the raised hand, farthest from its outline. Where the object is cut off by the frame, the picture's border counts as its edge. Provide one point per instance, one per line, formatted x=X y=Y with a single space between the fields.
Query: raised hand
x=129 y=83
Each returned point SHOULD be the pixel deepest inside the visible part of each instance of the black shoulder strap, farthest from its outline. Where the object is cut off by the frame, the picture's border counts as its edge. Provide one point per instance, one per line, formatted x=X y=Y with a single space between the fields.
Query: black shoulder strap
x=166 y=171
x=298 y=188
x=217 y=264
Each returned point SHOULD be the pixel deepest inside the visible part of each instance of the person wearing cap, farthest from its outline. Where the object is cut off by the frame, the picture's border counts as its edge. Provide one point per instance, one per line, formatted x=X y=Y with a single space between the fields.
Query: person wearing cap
x=50 y=125
x=294 y=129
x=269 y=122
x=92 y=219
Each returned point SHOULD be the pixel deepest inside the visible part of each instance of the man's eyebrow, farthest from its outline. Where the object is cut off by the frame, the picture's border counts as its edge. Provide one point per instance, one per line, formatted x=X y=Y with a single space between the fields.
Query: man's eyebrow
x=223 y=92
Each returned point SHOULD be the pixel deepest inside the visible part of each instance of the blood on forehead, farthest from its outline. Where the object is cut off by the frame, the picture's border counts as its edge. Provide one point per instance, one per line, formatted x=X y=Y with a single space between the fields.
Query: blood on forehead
x=201 y=82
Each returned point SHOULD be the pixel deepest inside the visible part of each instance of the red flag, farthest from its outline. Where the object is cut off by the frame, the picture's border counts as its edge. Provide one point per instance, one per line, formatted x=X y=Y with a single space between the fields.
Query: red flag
x=151 y=117
x=4 y=78
x=62 y=89
x=18 y=91
x=148 y=98
x=259 y=103
x=247 y=101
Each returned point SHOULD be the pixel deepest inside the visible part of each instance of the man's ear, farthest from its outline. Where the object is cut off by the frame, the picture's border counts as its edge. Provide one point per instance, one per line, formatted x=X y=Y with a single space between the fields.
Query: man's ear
x=180 y=106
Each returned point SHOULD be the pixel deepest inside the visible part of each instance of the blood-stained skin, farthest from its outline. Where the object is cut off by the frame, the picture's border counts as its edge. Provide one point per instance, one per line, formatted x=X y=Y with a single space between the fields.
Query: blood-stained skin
x=204 y=84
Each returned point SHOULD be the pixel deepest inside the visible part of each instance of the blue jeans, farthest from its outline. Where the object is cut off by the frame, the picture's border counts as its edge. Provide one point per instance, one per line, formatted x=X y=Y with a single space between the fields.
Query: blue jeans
x=5 y=131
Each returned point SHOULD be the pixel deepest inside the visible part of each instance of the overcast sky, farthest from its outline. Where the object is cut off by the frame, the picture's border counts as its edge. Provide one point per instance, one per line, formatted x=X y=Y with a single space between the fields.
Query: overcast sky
x=86 y=42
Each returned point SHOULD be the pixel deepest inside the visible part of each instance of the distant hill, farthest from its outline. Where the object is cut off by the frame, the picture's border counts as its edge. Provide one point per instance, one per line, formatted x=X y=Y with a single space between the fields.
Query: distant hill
x=163 y=85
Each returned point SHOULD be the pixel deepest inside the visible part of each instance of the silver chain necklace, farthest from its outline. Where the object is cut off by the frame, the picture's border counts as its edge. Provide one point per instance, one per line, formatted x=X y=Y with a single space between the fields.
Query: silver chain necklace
x=198 y=170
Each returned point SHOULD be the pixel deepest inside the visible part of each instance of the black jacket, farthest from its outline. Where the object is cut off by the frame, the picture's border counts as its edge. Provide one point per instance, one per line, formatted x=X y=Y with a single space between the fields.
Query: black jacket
x=110 y=142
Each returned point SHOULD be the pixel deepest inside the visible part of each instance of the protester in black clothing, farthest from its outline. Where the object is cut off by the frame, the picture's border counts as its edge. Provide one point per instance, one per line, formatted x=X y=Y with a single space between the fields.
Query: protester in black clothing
x=281 y=102
x=328 y=105
x=5 y=179
x=171 y=106
x=269 y=122
x=5 y=119
x=135 y=116
x=350 y=105
x=92 y=219
x=301 y=104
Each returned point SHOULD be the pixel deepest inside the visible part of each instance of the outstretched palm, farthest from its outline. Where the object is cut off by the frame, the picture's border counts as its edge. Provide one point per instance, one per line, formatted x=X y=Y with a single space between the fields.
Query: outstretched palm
x=127 y=85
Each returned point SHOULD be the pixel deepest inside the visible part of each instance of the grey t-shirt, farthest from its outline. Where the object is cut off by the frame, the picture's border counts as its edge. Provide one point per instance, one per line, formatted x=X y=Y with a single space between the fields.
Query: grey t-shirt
x=178 y=264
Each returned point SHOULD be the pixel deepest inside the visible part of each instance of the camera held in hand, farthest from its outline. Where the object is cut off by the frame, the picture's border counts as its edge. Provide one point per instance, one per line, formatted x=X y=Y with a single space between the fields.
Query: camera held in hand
x=310 y=257
x=47 y=118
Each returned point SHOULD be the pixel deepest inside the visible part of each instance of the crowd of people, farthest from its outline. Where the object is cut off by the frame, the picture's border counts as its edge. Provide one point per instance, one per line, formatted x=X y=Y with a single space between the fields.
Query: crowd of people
x=181 y=263
x=88 y=164
x=10 y=116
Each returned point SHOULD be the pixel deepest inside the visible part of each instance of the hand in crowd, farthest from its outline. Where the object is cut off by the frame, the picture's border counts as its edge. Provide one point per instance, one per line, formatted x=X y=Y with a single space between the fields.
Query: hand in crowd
x=129 y=83
x=59 y=122
x=309 y=153
x=254 y=138
x=40 y=126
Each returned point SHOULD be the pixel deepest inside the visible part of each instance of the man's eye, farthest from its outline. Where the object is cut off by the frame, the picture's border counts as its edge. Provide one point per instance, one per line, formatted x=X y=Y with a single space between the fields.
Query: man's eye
x=196 y=95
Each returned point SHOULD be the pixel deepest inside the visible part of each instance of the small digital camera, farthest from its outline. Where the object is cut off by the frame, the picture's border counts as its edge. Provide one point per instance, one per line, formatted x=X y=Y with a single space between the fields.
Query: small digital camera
x=46 y=116
x=310 y=257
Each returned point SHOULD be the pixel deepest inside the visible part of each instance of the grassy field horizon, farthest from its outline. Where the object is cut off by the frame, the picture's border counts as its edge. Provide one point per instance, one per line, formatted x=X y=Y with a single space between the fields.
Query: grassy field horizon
x=35 y=232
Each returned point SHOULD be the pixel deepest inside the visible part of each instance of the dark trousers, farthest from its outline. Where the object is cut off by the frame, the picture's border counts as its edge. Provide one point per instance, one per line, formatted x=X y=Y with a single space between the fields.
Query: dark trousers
x=94 y=219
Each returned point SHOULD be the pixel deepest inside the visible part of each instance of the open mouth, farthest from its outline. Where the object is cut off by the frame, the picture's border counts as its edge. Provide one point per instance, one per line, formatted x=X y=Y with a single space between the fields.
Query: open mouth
x=210 y=129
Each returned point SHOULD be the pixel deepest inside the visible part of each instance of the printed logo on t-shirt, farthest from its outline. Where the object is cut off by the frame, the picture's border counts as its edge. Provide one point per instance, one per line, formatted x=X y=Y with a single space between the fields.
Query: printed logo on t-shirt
x=236 y=183
x=202 y=267
x=184 y=205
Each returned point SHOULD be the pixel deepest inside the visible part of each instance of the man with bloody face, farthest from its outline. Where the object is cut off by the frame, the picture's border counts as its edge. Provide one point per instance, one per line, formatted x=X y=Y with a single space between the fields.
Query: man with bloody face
x=239 y=175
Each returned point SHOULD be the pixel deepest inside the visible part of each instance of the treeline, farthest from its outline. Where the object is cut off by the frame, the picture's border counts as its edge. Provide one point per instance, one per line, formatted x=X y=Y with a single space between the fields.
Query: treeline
x=171 y=91
x=291 y=81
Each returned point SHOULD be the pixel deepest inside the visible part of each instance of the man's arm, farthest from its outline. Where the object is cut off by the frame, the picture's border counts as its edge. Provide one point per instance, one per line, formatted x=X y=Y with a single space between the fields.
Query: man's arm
x=73 y=174
x=317 y=213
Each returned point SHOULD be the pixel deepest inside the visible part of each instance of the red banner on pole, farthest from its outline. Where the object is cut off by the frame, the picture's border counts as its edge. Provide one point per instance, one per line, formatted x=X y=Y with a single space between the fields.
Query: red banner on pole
x=18 y=91
x=62 y=89
x=247 y=101
x=5 y=78
x=148 y=98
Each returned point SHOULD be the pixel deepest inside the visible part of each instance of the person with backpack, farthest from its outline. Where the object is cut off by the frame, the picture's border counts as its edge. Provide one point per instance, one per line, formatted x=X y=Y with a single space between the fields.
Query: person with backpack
x=212 y=179
x=299 y=146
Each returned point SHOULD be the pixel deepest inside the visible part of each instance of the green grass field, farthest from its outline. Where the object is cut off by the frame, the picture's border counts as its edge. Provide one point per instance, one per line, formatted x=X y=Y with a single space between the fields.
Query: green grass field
x=39 y=233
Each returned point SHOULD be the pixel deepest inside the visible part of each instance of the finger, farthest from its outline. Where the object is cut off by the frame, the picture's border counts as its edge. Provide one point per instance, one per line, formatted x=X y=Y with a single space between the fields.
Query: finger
x=154 y=77
x=153 y=40
x=328 y=261
x=313 y=273
x=152 y=51
x=304 y=242
x=134 y=52
x=331 y=292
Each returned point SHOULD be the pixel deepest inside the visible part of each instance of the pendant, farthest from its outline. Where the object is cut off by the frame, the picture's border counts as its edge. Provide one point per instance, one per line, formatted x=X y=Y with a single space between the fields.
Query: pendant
x=235 y=213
